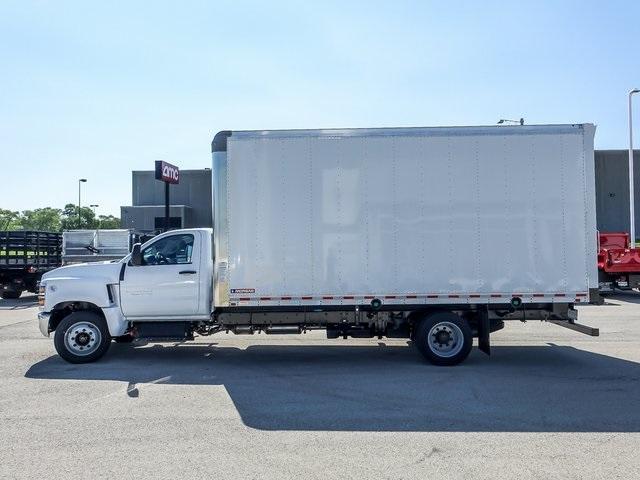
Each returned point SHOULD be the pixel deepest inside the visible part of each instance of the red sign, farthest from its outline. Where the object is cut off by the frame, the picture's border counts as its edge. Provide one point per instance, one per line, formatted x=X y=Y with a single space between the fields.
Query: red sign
x=167 y=172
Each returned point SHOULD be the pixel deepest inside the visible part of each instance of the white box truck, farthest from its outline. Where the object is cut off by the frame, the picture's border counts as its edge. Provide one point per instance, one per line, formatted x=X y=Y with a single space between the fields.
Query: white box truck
x=438 y=235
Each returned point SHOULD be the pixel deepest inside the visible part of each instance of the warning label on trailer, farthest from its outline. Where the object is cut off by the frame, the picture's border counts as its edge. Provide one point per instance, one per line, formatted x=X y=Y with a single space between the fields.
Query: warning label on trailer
x=243 y=290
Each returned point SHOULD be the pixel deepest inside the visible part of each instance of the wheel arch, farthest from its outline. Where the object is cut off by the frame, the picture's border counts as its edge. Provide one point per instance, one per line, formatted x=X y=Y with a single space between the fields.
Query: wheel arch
x=64 y=309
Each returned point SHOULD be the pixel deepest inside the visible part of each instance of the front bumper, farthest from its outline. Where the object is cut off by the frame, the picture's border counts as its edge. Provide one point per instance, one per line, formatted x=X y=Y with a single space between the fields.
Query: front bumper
x=43 y=322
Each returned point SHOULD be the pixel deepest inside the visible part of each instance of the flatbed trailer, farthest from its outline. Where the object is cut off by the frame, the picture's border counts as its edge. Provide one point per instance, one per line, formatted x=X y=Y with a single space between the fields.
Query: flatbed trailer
x=25 y=256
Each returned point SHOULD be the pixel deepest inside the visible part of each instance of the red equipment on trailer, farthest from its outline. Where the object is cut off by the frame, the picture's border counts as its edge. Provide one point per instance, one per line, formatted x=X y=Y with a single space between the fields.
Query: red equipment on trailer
x=618 y=265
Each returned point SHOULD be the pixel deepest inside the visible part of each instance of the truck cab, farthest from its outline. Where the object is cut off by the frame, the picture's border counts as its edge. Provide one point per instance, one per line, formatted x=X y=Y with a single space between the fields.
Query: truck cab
x=162 y=285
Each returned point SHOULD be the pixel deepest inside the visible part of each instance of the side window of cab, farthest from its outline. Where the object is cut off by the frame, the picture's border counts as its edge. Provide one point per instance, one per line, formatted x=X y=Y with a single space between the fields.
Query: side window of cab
x=171 y=250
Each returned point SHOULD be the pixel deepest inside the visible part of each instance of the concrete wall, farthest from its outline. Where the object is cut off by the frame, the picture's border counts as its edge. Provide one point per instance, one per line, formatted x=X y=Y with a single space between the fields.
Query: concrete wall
x=612 y=190
x=142 y=219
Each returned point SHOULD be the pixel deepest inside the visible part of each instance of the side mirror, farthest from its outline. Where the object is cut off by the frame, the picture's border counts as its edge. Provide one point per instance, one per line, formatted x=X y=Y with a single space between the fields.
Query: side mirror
x=136 y=255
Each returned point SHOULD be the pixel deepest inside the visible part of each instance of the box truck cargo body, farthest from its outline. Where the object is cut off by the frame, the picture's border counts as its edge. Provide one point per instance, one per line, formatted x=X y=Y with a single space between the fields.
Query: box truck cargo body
x=434 y=234
x=409 y=216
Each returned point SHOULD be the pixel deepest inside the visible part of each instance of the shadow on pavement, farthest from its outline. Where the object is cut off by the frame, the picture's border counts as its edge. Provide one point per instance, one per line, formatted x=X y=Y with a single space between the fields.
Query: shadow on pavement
x=387 y=388
x=629 y=296
x=25 y=301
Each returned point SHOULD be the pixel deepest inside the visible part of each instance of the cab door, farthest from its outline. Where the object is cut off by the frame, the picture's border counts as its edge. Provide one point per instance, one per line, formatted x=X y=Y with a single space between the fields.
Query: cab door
x=166 y=283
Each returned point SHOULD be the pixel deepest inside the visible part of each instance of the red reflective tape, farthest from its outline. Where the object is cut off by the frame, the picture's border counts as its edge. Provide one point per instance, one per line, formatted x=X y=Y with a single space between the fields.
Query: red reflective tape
x=265 y=298
x=244 y=299
x=538 y=295
x=412 y=296
x=348 y=297
x=306 y=298
x=578 y=300
x=285 y=298
x=389 y=296
x=454 y=296
x=496 y=295
x=474 y=296
x=581 y=294
x=432 y=296
x=369 y=296
x=327 y=298
x=559 y=295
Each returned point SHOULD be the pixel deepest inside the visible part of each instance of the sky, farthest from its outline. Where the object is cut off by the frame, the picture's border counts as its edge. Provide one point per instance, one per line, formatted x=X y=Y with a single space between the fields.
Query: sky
x=95 y=90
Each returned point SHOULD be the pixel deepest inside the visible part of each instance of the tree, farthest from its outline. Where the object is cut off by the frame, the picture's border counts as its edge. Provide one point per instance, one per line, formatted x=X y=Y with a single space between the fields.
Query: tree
x=43 y=219
x=108 y=222
x=54 y=219
x=70 y=219
x=9 y=220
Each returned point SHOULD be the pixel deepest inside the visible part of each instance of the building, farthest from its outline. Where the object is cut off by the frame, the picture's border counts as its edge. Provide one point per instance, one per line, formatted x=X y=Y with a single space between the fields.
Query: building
x=190 y=201
x=612 y=190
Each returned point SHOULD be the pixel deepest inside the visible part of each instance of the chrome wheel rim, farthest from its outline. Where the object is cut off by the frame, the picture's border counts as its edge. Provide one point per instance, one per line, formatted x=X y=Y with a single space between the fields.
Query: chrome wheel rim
x=82 y=338
x=445 y=339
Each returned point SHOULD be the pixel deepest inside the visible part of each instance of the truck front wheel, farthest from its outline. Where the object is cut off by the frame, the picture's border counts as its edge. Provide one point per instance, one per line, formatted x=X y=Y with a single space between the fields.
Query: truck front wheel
x=82 y=337
x=444 y=338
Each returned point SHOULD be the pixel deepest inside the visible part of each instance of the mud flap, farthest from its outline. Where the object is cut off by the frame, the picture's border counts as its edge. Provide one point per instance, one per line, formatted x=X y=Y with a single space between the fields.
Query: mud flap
x=484 y=330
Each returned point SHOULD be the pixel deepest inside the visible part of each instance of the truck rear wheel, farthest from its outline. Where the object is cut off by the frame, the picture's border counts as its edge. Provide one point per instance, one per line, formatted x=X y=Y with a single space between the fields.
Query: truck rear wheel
x=444 y=338
x=82 y=337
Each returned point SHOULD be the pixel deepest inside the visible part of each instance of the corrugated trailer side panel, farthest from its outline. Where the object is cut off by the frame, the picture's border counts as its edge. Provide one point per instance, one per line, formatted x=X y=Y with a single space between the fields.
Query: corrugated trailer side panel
x=407 y=215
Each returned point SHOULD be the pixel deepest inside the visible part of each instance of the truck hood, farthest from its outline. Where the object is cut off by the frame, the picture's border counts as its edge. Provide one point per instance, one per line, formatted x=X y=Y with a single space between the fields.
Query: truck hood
x=109 y=271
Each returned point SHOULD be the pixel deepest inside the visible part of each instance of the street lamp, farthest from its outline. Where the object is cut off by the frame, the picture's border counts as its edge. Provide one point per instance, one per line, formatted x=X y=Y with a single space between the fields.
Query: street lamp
x=505 y=120
x=80 y=182
x=632 y=228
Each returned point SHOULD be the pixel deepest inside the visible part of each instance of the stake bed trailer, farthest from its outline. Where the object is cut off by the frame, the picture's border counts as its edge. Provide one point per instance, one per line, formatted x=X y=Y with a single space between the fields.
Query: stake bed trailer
x=434 y=234
x=25 y=255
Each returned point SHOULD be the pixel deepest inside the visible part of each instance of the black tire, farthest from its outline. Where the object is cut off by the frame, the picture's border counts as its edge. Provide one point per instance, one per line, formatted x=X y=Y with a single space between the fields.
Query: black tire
x=11 y=294
x=450 y=327
x=91 y=328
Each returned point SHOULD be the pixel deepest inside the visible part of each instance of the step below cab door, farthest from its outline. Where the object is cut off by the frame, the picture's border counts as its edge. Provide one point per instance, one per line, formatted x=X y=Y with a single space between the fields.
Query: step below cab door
x=166 y=284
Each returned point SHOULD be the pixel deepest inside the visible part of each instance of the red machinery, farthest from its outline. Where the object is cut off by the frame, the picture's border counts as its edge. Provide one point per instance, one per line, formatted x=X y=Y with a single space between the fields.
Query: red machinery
x=618 y=265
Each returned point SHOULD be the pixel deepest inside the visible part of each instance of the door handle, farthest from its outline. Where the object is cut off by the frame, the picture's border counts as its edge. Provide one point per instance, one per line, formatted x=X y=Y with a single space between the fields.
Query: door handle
x=187 y=272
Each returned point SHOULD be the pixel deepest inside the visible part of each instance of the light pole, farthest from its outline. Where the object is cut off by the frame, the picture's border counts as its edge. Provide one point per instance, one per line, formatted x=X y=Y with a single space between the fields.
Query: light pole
x=80 y=182
x=632 y=222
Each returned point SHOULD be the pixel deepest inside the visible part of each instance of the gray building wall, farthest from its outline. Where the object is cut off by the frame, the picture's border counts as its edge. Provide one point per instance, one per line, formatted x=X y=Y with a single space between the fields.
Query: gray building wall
x=612 y=190
x=190 y=200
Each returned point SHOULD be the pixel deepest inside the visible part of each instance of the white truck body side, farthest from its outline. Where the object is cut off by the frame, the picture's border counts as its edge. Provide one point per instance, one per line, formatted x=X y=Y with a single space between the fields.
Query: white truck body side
x=409 y=215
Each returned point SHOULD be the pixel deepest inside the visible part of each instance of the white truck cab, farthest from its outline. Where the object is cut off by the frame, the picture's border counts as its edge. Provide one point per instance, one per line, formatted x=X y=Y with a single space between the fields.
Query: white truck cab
x=167 y=279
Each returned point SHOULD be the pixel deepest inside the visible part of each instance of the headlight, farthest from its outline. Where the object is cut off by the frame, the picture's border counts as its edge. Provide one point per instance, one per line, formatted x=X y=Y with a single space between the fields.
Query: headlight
x=42 y=290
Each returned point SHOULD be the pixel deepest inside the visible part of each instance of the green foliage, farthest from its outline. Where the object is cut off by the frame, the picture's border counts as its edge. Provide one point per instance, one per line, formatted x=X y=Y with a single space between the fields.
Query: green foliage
x=45 y=219
x=55 y=219
x=71 y=220
x=9 y=220
x=108 y=222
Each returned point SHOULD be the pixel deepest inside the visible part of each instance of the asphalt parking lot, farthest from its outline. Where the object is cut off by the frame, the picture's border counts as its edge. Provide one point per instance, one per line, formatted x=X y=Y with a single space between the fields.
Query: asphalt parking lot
x=549 y=403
